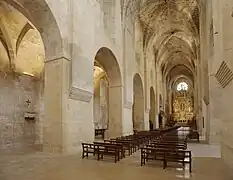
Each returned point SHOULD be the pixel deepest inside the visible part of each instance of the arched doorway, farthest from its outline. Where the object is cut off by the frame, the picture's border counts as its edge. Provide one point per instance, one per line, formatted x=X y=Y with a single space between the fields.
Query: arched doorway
x=152 y=118
x=138 y=104
x=40 y=17
x=108 y=102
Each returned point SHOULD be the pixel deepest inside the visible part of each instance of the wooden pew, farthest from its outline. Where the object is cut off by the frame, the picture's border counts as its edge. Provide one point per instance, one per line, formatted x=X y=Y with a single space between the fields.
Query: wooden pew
x=169 y=141
x=133 y=141
x=127 y=144
x=168 y=146
x=106 y=148
x=178 y=144
x=102 y=149
x=174 y=138
x=179 y=156
x=88 y=148
x=166 y=155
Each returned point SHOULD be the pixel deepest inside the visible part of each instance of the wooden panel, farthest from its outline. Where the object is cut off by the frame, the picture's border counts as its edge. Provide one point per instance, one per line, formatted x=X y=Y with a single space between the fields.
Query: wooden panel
x=224 y=75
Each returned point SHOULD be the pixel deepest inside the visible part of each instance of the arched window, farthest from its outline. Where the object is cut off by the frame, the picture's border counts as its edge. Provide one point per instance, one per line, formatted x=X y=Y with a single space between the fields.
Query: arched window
x=182 y=86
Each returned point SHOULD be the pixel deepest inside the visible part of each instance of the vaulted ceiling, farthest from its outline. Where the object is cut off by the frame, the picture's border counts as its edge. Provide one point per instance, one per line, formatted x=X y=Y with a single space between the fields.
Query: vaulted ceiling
x=21 y=47
x=171 y=27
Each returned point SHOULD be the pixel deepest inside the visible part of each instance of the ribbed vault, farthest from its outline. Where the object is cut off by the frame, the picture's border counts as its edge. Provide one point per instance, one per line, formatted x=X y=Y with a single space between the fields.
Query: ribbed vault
x=21 y=46
x=171 y=27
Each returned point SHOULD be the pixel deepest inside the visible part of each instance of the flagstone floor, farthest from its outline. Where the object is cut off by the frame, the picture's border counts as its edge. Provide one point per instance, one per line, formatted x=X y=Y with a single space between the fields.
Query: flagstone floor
x=40 y=166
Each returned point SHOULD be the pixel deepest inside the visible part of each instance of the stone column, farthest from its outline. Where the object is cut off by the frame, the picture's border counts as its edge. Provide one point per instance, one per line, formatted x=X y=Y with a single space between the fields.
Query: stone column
x=152 y=111
x=146 y=125
x=96 y=107
x=40 y=110
x=56 y=86
x=207 y=75
x=223 y=25
x=215 y=111
x=104 y=103
x=139 y=114
x=115 y=111
x=213 y=124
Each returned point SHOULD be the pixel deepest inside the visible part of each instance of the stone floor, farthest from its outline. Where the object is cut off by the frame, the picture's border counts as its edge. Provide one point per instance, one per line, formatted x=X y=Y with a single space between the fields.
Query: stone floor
x=40 y=166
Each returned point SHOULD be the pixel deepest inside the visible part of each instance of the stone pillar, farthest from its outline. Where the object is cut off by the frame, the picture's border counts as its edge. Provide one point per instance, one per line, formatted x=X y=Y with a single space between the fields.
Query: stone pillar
x=40 y=110
x=146 y=125
x=100 y=104
x=138 y=111
x=141 y=113
x=208 y=83
x=152 y=111
x=96 y=107
x=115 y=111
x=56 y=86
x=223 y=26
x=104 y=103
x=215 y=111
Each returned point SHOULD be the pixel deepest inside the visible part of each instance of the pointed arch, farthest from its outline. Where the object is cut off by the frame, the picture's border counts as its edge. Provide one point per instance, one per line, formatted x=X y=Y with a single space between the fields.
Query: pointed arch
x=41 y=16
x=22 y=34
x=7 y=43
x=138 y=103
x=43 y=19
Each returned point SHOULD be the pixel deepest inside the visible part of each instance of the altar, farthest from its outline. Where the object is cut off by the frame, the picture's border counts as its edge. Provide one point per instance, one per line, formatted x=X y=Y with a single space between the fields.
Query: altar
x=182 y=106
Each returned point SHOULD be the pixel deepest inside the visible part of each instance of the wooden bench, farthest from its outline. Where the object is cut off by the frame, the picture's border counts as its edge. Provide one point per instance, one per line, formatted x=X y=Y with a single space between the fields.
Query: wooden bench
x=127 y=144
x=173 y=139
x=134 y=141
x=179 y=156
x=101 y=149
x=168 y=146
x=183 y=143
x=166 y=155
x=110 y=149
x=120 y=144
x=88 y=148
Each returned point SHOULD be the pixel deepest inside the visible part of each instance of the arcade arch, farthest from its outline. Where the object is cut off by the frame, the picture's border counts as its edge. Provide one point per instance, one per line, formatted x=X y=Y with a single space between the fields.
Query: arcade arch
x=108 y=102
x=138 y=104
x=27 y=73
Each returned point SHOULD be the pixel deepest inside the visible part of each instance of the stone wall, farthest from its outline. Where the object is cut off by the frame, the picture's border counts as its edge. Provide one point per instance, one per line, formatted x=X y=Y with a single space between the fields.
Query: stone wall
x=227 y=125
x=16 y=133
x=72 y=36
x=223 y=43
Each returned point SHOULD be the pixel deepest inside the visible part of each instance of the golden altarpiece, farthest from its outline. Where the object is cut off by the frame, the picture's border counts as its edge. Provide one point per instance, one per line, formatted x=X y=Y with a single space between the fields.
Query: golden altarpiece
x=182 y=107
